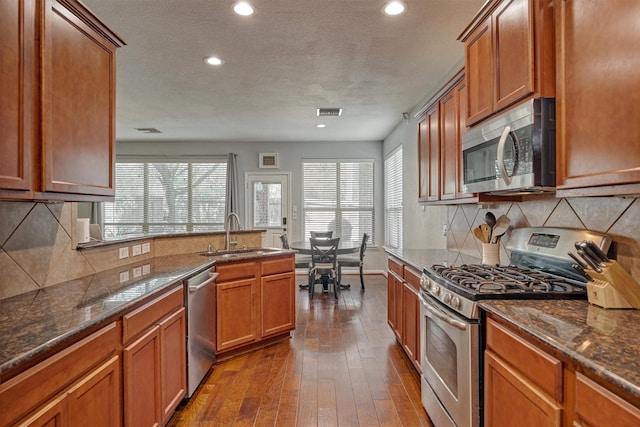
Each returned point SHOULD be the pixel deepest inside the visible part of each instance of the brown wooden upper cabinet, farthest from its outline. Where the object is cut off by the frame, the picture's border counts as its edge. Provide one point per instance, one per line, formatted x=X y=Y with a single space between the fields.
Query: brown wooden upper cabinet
x=57 y=102
x=509 y=55
x=598 y=100
x=440 y=130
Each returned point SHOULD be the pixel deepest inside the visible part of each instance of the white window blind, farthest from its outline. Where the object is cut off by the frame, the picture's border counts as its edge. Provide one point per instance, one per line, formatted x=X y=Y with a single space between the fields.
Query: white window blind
x=393 y=199
x=166 y=195
x=339 y=196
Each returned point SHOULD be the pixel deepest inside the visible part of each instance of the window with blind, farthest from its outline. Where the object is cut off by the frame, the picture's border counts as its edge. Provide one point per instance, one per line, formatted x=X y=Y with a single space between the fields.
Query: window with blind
x=338 y=196
x=166 y=196
x=393 y=199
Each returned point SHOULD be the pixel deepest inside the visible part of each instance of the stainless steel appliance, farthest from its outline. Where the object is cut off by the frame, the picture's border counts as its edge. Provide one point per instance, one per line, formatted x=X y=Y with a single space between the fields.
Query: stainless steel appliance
x=514 y=152
x=201 y=326
x=450 y=328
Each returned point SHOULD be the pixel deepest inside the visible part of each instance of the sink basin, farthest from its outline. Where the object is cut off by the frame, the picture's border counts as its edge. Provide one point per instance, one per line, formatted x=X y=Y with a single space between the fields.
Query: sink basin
x=233 y=253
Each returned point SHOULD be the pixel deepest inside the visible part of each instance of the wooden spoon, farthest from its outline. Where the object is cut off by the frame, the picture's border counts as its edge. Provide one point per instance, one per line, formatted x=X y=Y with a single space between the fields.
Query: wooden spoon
x=479 y=234
x=501 y=227
x=486 y=232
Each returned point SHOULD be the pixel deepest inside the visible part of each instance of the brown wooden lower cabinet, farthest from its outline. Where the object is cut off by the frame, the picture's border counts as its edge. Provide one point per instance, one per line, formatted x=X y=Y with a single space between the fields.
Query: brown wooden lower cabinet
x=154 y=360
x=236 y=315
x=403 y=308
x=277 y=304
x=525 y=385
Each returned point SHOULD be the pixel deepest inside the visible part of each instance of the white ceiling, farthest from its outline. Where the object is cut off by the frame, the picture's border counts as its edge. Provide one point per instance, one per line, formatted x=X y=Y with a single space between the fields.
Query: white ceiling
x=289 y=58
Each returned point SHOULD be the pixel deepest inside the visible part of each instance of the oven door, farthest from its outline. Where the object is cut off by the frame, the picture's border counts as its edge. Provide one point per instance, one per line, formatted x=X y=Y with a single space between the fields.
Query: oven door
x=449 y=360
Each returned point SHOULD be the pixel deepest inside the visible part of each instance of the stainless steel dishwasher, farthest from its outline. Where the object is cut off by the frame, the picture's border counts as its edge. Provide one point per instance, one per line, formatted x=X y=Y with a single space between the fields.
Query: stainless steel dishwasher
x=201 y=326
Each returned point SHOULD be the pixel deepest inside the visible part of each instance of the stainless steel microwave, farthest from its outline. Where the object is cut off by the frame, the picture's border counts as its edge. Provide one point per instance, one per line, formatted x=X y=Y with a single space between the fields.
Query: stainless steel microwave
x=514 y=152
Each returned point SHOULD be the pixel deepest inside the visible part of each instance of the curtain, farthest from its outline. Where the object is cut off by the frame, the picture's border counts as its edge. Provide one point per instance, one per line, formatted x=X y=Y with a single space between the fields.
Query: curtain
x=232 y=202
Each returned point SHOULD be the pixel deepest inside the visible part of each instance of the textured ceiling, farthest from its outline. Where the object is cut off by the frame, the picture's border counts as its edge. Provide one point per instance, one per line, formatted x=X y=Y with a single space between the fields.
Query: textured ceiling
x=289 y=58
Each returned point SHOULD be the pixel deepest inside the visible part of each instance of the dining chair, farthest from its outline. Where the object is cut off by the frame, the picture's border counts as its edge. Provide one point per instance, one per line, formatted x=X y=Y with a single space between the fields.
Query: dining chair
x=324 y=264
x=301 y=261
x=351 y=261
x=321 y=234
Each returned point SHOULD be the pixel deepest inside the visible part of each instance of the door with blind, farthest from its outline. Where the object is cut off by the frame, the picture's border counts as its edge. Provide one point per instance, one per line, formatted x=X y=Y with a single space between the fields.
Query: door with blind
x=267 y=205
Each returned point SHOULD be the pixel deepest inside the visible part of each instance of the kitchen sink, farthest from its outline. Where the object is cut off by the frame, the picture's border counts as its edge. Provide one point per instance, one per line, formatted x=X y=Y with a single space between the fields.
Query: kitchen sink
x=234 y=253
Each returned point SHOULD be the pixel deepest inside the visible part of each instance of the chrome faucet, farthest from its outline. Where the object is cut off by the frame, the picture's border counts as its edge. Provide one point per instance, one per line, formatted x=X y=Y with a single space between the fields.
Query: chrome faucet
x=227 y=227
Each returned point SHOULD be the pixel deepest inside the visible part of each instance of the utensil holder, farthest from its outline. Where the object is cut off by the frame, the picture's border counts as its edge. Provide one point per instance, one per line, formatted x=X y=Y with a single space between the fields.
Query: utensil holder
x=491 y=253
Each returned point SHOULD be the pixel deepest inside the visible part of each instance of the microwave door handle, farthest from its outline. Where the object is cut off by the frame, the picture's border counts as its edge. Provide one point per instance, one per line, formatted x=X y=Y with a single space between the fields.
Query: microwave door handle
x=501 y=144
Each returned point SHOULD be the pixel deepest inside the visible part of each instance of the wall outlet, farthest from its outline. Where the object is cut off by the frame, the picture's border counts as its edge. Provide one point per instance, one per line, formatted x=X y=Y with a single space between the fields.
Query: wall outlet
x=146 y=269
x=124 y=276
x=136 y=250
x=146 y=248
x=124 y=252
x=445 y=229
x=137 y=272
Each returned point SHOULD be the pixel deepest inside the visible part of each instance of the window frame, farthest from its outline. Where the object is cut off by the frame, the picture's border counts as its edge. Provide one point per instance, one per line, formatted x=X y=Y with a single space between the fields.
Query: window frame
x=391 y=187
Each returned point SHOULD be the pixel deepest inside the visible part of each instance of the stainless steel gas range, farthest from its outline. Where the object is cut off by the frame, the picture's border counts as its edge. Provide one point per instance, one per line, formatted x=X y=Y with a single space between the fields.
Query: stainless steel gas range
x=450 y=353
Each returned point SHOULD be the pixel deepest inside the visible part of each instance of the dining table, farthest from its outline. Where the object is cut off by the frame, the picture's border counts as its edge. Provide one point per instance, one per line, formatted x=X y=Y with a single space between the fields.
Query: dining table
x=344 y=247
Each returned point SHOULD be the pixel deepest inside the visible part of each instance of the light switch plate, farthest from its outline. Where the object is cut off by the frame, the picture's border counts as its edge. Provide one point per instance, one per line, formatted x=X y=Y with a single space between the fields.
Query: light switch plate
x=124 y=276
x=146 y=269
x=136 y=250
x=146 y=248
x=137 y=272
x=124 y=252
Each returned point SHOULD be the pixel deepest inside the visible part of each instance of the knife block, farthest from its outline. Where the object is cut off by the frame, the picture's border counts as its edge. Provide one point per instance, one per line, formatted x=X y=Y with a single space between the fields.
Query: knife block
x=613 y=288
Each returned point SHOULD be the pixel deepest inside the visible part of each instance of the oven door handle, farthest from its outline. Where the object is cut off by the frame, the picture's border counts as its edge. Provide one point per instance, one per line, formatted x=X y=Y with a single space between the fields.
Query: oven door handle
x=503 y=141
x=433 y=309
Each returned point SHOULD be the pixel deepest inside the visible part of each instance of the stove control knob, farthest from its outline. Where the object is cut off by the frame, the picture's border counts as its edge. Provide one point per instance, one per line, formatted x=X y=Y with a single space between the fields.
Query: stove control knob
x=435 y=290
x=425 y=283
x=455 y=303
x=447 y=298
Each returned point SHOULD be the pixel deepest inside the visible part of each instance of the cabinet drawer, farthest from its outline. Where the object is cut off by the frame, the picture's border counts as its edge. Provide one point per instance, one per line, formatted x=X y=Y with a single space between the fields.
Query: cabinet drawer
x=142 y=318
x=540 y=368
x=412 y=277
x=236 y=271
x=597 y=406
x=278 y=265
x=31 y=388
x=396 y=267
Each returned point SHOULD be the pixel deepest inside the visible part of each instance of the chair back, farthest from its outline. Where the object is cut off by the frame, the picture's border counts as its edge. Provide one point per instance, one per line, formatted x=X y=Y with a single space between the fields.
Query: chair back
x=324 y=253
x=363 y=245
x=285 y=241
x=321 y=234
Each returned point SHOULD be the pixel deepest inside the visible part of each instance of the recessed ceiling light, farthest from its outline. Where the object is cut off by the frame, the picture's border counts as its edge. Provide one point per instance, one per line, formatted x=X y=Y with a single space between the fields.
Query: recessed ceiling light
x=394 y=8
x=213 y=60
x=321 y=125
x=243 y=8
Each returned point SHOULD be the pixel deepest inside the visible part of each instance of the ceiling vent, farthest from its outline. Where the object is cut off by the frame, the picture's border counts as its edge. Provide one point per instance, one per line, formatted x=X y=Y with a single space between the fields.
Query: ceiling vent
x=148 y=130
x=268 y=160
x=329 y=112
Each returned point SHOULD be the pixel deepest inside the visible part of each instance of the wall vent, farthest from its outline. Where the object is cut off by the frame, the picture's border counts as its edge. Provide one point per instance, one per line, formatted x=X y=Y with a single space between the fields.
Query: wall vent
x=329 y=112
x=268 y=160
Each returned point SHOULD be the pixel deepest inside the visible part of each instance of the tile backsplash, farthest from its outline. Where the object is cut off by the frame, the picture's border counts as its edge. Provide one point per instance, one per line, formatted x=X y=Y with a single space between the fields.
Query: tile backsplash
x=37 y=247
x=616 y=216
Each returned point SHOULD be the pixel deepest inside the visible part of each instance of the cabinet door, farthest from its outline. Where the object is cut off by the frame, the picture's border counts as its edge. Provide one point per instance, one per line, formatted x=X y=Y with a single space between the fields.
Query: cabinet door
x=53 y=414
x=142 y=407
x=597 y=406
x=429 y=156
x=173 y=362
x=449 y=144
x=277 y=304
x=598 y=98
x=410 y=319
x=96 y=400
x=17 y=103
x=78 y=105
x=513 y=51
x=479 y=73
x=510 y=399
x=236 y=317
x=391 y=301
x=461 y=88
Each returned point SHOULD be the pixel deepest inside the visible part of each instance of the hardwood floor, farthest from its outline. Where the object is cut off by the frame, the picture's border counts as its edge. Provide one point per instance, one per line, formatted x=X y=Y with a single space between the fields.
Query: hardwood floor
x=341 y=367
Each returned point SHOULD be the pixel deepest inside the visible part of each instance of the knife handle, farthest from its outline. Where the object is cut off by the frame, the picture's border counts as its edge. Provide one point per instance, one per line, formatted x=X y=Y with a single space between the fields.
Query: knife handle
x=599 y=252
x=595 y=258
x=578 y=260
x=593 y=264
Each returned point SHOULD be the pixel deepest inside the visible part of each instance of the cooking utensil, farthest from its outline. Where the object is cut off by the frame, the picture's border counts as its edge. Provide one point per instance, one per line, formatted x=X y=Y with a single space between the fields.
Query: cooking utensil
x=585 y=247
x=501 y=227
x=590 y=262
x=479 y=234
x=580 y=270
x=486 y=231
x=578 y=260
x=599 y=252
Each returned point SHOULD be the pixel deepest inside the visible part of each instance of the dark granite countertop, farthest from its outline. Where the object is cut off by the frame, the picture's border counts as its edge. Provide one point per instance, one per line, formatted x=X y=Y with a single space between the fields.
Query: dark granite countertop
x=421 y=258
x=35 y=323
x=604 y=344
